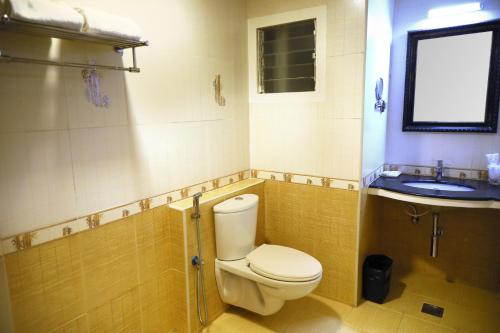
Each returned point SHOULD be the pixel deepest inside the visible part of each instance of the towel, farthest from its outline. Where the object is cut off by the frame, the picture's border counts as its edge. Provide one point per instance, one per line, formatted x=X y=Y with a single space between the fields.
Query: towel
x=102 y=23
x=54 y=13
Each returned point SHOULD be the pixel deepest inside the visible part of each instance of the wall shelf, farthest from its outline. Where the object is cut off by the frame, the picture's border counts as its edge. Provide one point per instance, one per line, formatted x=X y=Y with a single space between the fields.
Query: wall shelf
x=15 y=26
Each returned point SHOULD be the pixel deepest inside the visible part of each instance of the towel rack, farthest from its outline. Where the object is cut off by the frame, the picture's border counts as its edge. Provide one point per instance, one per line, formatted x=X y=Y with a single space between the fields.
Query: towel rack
x=6 y=59
x=119 y=44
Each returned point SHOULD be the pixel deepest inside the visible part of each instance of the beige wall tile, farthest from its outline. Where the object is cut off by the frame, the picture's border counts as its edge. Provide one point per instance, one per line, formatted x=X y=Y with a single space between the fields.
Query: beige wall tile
x=156 y=298
x=286 y=136
x=342 y=148
x=321 y=137
x=116 y=278
x=6 y=324
x=325 y=219
x=176 y=248
x=109 y=261
x=35 y=165
x=45 y=275
x=177 y=302
x=345 y=86
x=136 y=147
x=79 y=325
x=153 y=243
x=117 y=314
x=346 y=27
x=256 y=8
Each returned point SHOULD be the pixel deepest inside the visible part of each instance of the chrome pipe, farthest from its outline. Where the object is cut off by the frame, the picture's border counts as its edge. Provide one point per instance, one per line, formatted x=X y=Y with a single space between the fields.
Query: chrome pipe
x=439 y=171
x=134 y=60
x=436 y=233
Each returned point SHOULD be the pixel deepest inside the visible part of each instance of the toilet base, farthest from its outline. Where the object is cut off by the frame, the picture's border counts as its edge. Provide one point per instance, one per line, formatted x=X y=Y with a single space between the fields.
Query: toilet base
x=238 y=285
x=246 y=294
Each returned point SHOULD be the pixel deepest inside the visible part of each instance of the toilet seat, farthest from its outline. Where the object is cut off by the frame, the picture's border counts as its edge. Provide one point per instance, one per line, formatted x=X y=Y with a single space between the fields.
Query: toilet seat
x=284 y=264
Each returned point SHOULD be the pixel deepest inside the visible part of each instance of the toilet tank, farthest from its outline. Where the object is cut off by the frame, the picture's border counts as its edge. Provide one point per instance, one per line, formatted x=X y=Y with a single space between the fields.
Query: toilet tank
x=235 y=226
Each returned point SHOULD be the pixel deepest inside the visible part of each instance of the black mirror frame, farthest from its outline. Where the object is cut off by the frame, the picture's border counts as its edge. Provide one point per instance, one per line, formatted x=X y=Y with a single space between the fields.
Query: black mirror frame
x=493 y=93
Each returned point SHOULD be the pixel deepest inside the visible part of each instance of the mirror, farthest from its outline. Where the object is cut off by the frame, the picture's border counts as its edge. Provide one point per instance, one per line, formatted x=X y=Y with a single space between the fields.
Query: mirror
x=453 y=79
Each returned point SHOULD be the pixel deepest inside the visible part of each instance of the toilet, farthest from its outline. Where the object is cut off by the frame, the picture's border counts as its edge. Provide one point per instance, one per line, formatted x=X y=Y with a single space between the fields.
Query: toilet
x=259 y=279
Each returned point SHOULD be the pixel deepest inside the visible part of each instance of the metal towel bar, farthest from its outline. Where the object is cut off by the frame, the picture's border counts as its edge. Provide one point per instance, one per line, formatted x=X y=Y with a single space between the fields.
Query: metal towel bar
x=10 y=25
x=7 y=59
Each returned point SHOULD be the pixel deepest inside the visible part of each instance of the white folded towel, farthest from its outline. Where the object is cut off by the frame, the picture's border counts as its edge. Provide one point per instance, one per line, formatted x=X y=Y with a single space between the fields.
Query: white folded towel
x=47 y=12
x=103 y=23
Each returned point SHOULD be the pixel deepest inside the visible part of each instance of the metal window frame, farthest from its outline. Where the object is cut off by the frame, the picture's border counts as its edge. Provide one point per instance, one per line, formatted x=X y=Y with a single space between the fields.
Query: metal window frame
x=260 y=54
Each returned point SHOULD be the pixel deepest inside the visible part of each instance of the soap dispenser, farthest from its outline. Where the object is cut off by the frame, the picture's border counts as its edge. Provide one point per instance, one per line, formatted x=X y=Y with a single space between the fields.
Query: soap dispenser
x=493 y=168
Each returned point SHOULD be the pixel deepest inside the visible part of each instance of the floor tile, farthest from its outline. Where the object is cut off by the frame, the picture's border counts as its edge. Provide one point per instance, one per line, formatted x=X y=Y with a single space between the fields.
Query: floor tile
x=479 y=299
x=466 y=310
x=411 y=324
x=371 y=317
x=451 y=316
x=473 y=321
x=309 y=314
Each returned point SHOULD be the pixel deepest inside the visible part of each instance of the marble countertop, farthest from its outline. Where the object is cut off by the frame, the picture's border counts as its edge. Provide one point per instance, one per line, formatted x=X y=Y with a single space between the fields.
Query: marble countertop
x=484 y=191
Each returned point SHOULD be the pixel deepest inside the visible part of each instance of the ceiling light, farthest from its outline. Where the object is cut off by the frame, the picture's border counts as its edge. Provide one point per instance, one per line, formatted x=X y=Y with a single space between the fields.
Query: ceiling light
x=455 y=10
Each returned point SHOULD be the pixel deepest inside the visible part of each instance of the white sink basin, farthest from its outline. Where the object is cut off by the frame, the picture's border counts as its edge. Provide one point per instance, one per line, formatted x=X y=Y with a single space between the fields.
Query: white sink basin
x=440 y=186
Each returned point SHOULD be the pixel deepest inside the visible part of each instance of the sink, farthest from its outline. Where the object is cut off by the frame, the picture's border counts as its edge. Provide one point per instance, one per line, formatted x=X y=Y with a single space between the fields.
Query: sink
x=440 y=186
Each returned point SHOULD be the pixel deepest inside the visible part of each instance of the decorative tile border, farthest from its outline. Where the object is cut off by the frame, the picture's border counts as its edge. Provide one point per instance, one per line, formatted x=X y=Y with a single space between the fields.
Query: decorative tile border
x=95 y=220
x=372 y=176
x=424 y=170
x=296 y=178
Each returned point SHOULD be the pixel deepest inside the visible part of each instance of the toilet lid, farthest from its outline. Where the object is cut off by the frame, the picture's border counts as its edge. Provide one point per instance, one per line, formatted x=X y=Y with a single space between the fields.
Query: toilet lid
x=236 y=204
x=283 y=263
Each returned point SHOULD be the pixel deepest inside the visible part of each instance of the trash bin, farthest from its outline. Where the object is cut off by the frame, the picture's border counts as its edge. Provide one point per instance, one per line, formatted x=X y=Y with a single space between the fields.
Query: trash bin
x=377 y=270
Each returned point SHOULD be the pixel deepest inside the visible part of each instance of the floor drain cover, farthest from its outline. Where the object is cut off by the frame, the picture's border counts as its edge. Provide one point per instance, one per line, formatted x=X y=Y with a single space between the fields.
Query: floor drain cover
x=433 y=310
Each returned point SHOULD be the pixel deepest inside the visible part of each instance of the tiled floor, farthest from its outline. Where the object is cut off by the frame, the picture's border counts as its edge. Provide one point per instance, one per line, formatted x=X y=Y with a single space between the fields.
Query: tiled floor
x=467 y=310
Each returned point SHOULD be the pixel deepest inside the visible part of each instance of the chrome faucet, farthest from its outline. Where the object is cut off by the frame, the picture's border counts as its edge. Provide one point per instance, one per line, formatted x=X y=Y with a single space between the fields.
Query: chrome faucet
x=439 y=171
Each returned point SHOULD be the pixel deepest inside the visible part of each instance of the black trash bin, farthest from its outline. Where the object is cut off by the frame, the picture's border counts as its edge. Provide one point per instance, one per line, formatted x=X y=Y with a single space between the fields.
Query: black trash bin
x=377 y=270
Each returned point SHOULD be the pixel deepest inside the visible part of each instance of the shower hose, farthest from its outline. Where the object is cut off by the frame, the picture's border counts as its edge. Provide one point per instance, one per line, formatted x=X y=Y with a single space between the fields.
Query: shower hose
x=197 y=261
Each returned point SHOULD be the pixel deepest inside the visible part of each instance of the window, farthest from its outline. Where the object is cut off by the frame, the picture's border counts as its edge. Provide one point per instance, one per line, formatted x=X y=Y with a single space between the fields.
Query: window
x=287 y=57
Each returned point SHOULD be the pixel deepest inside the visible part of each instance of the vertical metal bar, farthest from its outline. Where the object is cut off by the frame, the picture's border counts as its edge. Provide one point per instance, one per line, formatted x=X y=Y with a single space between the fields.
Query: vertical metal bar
x=436 y=233
x=134 y=61
x=260 y=61
x=314 y=54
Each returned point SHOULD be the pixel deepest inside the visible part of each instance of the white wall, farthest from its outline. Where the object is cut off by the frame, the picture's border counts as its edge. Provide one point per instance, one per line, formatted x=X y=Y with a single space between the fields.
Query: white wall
x=61 y=158
x=457 y=150
x=378 y=55
x=321 y=138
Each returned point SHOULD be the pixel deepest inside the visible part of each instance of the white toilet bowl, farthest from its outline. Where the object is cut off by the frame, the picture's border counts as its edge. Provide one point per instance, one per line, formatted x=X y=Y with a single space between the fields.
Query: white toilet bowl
x=241 y=286
x=260 y=279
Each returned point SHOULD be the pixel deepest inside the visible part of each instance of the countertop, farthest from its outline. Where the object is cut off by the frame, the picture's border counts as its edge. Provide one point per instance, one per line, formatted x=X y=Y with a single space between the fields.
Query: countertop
x=187 y=203
x=484 y=190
